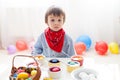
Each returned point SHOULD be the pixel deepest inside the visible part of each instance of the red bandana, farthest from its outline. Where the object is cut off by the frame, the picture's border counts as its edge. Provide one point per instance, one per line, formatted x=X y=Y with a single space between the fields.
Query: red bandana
x=54 y=39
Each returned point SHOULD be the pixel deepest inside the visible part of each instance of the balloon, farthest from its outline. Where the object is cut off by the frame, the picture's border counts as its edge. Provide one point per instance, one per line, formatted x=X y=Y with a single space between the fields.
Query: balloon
x=114 y=48
x=80 y=48
x=86 y=39
x=101 y=47
x=21 y=45
x=11 y=49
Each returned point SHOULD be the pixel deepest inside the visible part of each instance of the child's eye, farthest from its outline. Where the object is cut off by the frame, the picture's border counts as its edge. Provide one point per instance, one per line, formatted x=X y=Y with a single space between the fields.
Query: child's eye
x=59 y=20
x=52 y=20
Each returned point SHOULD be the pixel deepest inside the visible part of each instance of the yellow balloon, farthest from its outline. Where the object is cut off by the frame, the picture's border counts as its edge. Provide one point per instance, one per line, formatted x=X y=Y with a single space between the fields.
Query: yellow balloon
x=114 y=48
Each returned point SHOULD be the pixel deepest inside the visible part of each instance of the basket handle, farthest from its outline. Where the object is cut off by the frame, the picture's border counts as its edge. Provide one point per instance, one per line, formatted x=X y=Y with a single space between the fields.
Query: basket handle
x=24 y=56
x=37 y=76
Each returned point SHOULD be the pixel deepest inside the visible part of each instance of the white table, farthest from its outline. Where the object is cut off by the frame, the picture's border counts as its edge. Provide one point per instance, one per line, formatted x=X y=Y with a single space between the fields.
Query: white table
x=107 y=71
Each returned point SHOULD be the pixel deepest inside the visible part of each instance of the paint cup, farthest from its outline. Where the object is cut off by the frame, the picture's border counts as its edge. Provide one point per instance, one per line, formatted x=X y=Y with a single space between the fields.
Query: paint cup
x=54 y=72
x=54 y=62
x=72 y=65
x=78 y=58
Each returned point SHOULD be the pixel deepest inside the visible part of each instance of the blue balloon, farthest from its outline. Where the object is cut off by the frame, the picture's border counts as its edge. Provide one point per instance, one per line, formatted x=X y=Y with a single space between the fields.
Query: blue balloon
x=85 y=39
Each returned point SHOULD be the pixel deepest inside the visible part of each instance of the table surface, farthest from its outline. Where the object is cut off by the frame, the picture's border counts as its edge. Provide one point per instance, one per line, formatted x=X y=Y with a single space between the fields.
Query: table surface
x=108 y=66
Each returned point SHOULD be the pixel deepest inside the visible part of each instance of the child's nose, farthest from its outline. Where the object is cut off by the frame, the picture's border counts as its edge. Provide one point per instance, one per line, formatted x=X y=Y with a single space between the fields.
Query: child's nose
x=56 y=22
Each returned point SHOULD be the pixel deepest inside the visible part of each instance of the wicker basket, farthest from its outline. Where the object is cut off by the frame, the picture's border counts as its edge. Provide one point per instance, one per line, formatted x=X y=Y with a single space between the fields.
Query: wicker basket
x=14 y=69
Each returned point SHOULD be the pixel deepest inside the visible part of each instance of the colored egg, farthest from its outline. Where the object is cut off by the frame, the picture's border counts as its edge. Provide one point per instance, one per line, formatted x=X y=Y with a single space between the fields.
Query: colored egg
x=28 y=70
x=47 y=78
x=28 y=79
x=33 y=72
x=41 y=57
x=23 y=75
x=54 y=61
x=54 y=69
x=15 y=75
x=20 y=70
x=71 y=63
x=20 y=79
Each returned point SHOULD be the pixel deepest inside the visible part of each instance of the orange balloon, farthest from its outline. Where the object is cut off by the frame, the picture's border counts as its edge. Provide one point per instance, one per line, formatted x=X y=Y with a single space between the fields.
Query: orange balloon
x=21 y=45
x=80 y=48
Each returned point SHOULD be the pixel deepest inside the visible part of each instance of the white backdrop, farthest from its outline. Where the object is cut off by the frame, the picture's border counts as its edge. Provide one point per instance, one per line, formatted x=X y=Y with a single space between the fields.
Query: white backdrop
x=100 y=19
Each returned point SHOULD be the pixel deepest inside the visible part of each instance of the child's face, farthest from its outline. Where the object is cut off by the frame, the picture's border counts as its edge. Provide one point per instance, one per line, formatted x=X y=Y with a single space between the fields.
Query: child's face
x=55 y=22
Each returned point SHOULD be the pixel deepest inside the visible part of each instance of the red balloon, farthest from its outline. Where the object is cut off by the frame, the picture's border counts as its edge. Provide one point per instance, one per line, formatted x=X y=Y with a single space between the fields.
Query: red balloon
x=101 y=47
x=80 y=48
x=21 y=45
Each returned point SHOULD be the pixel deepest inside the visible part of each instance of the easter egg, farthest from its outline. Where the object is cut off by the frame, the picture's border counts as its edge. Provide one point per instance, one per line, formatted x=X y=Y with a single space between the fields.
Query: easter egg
x=54 y=60
x=72 y=63
x=33 y=72
x=15 y=75
x=55 y=69
x=28 y=79
x=40 y=57
x=47 y=78
x=83 y=76
x=23 y=75
x=20 y=70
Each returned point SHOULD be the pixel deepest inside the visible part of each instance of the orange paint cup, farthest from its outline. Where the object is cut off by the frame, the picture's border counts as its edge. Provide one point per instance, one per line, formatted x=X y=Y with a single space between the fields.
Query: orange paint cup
x=78 y=58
